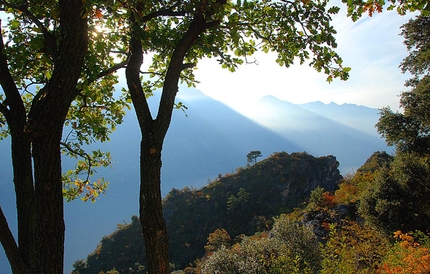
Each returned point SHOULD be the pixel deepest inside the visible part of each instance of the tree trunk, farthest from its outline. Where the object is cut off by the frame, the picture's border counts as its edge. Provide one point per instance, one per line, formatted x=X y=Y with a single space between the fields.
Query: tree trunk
x=151 y=214
x=46 y=121
x=25 y=196
x=49 y=202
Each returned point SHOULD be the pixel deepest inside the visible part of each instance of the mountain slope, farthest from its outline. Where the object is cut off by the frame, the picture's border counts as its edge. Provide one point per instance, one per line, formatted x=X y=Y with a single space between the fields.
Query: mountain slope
x=242 y=203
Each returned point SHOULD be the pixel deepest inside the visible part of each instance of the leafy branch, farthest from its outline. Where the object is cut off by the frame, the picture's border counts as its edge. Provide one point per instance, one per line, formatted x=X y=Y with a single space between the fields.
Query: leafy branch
x=73 y=187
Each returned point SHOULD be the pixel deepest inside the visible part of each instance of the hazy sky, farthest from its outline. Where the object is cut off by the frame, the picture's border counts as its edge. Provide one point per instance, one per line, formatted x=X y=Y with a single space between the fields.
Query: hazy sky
x=372 y=47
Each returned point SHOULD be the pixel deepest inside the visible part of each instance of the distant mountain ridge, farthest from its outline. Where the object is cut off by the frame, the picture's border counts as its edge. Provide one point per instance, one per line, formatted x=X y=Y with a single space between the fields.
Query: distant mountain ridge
x=358 y=117
x=346 y=131
x=210 y=139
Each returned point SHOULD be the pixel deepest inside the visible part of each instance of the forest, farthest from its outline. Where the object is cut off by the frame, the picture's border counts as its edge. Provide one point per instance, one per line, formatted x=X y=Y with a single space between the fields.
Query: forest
x=59 y=64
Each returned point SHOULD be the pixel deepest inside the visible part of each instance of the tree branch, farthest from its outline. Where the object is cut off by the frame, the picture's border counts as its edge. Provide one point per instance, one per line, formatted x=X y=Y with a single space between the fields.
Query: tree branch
x=50 y=40
x=81 y=154
x=114 y=68
x=197 y=26
x=10 y=247
x=13 y=97
x=132 y=73
x=106 y=72
x=187 y=66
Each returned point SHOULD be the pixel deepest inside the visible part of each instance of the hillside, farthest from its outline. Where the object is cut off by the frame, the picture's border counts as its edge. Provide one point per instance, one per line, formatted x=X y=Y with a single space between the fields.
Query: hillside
x=242 y=203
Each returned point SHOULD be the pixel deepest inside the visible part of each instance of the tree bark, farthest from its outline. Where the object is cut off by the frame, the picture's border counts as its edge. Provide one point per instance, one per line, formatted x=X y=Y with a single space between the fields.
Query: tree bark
x=12 y=251
x=23 y=259
x=151 y=214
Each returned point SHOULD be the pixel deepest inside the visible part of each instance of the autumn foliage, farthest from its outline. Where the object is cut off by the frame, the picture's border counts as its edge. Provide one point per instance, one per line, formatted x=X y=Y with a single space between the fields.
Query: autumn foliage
x=407 y=256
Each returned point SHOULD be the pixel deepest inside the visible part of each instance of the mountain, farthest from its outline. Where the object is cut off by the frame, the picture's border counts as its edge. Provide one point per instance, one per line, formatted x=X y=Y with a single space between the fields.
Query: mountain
x=346 y=131
x=207 y=140
x=241 y=203
x=360 y=118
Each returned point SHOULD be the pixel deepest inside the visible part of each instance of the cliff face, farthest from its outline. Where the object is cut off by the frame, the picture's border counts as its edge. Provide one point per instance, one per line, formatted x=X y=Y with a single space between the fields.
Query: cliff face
x=243 y=202
x=305 y=173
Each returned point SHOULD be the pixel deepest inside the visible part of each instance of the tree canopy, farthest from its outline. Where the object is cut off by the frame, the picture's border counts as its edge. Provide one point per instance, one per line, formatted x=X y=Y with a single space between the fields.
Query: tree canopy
x=410 y=130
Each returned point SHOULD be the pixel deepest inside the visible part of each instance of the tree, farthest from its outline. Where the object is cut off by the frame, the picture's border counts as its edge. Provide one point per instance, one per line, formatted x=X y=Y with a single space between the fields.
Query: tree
x=181 y=33
x=397 y=200
x=216 y=240
x=252 y=156
x=232 y=202
x=242 y=197
x=52 y=73
x=398 y=197
x=316 y=198
x=410 y=130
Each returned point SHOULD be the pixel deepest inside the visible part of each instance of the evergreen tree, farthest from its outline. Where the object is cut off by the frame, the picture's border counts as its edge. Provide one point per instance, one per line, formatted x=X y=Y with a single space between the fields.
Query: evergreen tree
x=252 y=156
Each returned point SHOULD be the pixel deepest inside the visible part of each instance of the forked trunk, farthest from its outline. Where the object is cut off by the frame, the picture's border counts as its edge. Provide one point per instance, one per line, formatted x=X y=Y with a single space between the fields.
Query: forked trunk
x=153 y=134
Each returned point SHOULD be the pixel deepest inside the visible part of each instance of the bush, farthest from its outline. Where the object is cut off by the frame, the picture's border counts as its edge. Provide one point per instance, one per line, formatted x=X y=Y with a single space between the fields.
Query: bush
x=353 y=248
x=287 y=248
x=407 y=256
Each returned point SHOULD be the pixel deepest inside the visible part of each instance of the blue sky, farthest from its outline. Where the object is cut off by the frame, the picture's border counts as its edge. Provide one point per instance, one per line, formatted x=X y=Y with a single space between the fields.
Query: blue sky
x=372 y=47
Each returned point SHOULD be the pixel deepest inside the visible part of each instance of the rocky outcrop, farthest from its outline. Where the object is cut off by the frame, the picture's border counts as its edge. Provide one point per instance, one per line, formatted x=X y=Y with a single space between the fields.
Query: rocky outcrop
x=320 y=219
x=305 y=173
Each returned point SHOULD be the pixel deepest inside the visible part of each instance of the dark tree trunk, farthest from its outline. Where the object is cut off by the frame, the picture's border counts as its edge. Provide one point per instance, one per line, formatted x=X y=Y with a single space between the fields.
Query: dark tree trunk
x=25 y=196
x=49 y=201
x=37 y=136
x=23 y=258
x=151 y=214
x=47 y=117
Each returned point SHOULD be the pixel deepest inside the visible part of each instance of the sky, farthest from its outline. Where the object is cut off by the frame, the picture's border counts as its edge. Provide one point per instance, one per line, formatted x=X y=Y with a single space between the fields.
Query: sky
x=371 y=46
